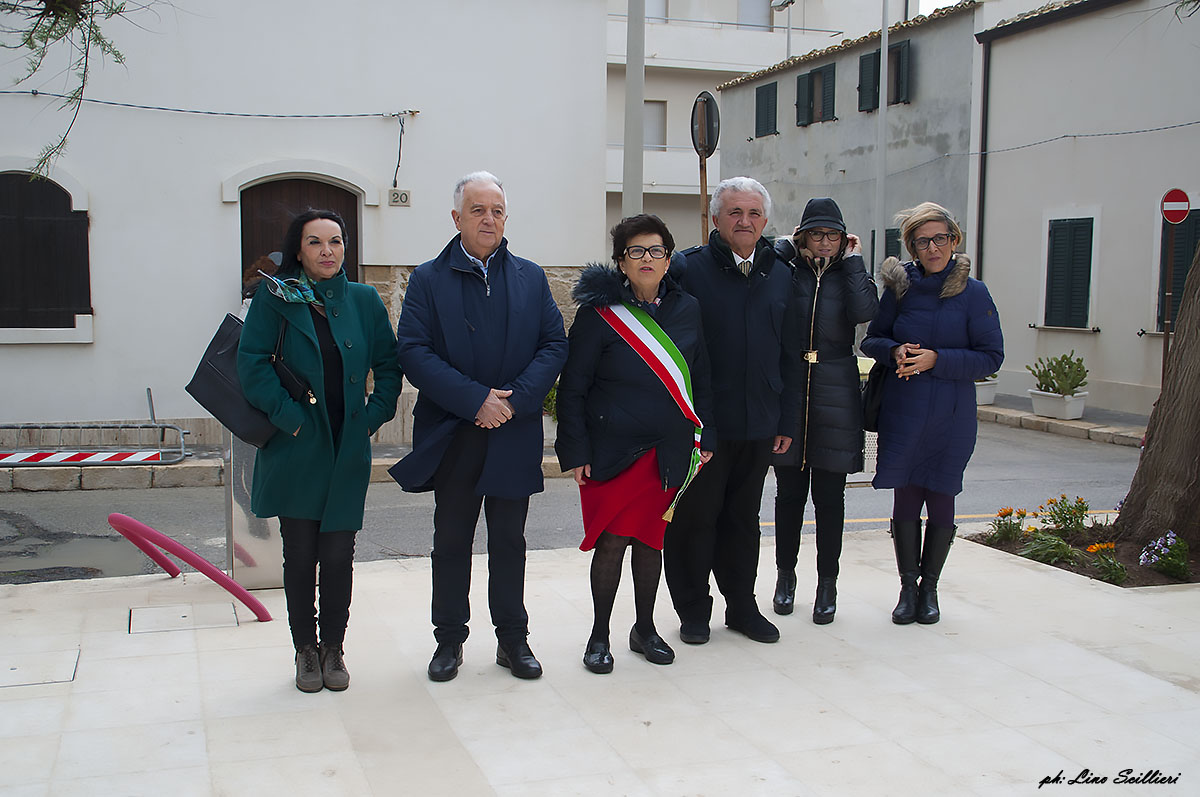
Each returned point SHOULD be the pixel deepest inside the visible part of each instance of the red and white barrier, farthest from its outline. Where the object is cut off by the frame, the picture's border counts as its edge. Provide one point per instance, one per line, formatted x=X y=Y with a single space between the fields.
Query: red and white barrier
x=77 y=457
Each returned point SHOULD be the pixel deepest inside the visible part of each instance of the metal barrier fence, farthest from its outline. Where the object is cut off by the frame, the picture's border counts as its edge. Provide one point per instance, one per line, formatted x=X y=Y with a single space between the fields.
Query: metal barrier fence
x=31 y=445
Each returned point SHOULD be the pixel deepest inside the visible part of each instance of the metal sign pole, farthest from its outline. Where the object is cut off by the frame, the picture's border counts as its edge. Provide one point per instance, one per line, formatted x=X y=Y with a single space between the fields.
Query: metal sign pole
x=702 y=146
x=1175 y=207
x=1170 y=281
x=706 y=130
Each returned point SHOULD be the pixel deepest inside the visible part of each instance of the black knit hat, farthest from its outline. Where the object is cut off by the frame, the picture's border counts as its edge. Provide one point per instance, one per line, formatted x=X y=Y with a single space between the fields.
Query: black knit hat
x=822 y=212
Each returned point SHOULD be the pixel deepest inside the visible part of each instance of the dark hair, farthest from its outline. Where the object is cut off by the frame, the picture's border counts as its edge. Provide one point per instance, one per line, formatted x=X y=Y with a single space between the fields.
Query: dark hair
x=643 y=224
x=291 y=240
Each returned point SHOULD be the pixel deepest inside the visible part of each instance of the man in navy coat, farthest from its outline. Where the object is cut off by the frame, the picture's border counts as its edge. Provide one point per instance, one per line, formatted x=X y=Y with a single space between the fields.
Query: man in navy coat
x=747 y=306
x=482 y=340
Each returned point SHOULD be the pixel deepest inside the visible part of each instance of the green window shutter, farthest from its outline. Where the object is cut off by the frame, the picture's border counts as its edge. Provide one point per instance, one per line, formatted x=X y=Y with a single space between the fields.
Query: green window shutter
x=826 y=92
x=903 y=73
x=868 y=81
x=1187 y=238
x=891 y=242
x=804 y=100
x=1069 y=273
x=764 y=110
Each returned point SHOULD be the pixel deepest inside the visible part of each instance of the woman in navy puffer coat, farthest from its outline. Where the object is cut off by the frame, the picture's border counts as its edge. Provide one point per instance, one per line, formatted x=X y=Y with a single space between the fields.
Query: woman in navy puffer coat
x=937 y=331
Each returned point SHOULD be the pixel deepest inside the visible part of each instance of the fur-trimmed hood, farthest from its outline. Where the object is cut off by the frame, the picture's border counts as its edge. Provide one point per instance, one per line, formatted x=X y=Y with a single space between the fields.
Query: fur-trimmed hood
x=603 y=286
x=895 y=276
x=599 y=286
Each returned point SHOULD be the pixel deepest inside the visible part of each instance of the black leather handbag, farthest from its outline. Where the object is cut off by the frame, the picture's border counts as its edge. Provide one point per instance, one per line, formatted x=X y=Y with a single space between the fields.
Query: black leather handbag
x=216 y=386
x=872 y=396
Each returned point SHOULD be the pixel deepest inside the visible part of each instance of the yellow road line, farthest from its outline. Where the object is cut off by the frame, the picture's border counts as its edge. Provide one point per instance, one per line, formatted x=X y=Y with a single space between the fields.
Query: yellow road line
x=886 y=520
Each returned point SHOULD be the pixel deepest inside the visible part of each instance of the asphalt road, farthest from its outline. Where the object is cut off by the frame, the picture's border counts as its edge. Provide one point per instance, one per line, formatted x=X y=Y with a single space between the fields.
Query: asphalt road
x=65 y=534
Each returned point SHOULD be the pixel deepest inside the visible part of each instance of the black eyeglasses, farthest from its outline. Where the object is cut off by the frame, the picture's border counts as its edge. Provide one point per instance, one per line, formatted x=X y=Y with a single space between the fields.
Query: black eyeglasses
x=939 y=240
x=638 y=252
x=821 y=235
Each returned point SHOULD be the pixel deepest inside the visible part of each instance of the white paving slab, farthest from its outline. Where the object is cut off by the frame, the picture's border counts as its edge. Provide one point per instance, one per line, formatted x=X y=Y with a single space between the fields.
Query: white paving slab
x=1031 y=671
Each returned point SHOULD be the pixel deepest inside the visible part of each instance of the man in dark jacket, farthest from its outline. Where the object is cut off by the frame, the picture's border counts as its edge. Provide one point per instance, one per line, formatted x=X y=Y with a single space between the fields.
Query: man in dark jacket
x=483 y=354
x=747 y=310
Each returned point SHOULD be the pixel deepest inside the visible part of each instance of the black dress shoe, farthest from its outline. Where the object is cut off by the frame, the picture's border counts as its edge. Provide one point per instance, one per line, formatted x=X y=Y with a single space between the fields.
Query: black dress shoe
x=519 y=658
x=597 y=657
x=785 y=592
x=753 y=625
x=652 y=646
x=445 y=662
x=693 y=632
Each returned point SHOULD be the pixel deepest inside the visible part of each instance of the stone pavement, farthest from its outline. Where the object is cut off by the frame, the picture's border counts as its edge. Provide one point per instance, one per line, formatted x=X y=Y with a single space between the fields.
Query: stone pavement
x=206 y=468
x=147 y=685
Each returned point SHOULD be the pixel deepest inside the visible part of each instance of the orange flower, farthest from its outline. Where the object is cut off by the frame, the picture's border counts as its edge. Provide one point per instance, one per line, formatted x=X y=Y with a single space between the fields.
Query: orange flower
x=1005 y=512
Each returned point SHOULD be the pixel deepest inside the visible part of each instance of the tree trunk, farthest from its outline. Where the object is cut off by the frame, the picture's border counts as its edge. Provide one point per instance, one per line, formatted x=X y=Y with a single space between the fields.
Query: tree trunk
x=1165 y=493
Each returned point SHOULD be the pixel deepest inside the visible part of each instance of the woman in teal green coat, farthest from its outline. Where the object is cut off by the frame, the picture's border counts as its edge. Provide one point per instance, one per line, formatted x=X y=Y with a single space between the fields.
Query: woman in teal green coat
x=314 y=472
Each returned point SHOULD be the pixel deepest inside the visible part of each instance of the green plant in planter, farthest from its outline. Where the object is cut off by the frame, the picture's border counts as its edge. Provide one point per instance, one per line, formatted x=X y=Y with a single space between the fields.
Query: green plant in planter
x=1049 y=549
x=1106 y=563
x=1006 y=526
x=1064 y=374
x=1168 y=555
x=989 y=378
x=1063 y=515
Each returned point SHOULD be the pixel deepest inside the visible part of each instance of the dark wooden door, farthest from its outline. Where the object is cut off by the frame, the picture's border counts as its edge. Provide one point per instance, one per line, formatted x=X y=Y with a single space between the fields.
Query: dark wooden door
x=44 y=271
x=268 y=208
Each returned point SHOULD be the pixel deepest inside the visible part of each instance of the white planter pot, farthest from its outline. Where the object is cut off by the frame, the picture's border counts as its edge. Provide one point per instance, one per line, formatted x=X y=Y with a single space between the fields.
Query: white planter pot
x=549 y=430
x=1054 y=405
x=985 y=391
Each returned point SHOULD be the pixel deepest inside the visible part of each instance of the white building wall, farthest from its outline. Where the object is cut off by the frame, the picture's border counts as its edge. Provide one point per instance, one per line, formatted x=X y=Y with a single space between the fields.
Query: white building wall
x=697 y=47
x=499 y=87
x=928 y=138
x=1129 y=67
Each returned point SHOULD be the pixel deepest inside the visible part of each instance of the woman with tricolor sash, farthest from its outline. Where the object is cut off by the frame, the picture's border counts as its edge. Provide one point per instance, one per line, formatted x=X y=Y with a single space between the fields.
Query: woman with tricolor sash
x=634 y=422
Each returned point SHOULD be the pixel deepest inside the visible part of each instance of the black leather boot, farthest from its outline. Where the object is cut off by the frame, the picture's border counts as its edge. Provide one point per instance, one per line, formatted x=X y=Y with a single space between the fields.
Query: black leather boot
x=906 y=539
x=785 y=592
x=826 y=603
x=938 y=540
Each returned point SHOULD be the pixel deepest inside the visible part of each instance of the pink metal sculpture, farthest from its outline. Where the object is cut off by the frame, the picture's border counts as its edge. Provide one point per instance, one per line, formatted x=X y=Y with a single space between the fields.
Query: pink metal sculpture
x=146 y=538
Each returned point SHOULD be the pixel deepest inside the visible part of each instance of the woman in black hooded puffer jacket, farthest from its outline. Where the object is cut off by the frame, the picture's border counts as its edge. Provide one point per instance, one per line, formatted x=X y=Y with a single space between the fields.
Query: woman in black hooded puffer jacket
x=834 y=293
x=623 y=434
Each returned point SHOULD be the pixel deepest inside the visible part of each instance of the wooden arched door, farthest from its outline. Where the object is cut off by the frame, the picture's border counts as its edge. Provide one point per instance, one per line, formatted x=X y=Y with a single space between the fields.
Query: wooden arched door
x=268 y=208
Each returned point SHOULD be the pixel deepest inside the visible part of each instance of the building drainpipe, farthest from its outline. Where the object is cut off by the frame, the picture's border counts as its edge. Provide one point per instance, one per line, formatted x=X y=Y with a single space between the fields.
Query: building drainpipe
x=981 y=199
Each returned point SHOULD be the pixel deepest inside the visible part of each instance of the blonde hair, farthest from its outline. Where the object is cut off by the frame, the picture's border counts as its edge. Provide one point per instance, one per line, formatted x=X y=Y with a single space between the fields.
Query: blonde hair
x=912 y=218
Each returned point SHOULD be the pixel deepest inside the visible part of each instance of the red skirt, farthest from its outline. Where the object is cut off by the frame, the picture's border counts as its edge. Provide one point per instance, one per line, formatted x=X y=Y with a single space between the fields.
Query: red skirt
x=631 y=504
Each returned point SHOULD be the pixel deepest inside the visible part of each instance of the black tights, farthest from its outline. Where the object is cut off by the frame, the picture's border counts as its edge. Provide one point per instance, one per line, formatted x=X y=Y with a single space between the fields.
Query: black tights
x=907 y=501
x=304 y=548
x=608 y=557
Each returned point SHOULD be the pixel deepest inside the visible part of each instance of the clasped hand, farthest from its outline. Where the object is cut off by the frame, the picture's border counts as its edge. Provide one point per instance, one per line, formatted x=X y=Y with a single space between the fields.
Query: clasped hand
x=912 y=360
x=495 y=409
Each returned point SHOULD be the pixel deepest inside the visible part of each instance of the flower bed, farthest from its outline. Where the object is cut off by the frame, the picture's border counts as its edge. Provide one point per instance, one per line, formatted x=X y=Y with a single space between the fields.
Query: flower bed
x=1069 y=536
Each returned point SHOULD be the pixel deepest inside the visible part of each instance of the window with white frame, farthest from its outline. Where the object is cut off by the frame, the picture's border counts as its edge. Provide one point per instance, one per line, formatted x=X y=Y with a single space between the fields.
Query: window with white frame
x=654 y=125
x=1068 y=273
x=44 y=271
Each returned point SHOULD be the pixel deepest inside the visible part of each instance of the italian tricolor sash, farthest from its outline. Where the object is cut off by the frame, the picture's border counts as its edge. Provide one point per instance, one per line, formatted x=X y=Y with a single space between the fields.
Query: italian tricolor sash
x=655 y=347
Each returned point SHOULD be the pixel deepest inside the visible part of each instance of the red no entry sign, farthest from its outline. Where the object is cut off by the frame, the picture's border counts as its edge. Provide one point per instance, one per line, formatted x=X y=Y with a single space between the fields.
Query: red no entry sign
x=1175 y=206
